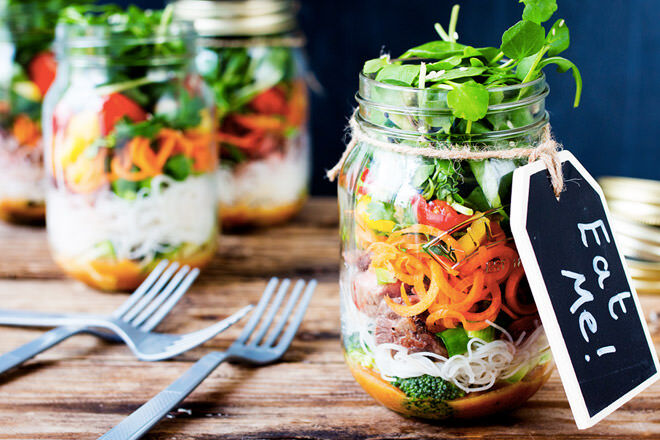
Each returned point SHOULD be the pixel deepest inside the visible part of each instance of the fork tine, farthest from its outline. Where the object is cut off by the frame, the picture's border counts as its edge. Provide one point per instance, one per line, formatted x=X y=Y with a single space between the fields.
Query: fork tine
x=290 y=332
x=256 y=315
x=162 y=296
x=199 y=337
x=272 y=312
x=293 y=299
x=141 y=290
x=163 y=310
x=151 y=294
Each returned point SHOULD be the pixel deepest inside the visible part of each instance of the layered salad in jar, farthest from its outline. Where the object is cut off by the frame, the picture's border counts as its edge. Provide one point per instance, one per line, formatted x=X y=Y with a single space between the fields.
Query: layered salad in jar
x=132 y=158
x=262 y=109
x=438 y=320
x=27 y=72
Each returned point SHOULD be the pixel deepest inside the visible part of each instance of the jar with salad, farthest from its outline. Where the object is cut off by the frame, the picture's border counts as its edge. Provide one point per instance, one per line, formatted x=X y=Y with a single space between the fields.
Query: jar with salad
x=130 y=150
x=27 y=69
x=437 y=317
x=252 y=59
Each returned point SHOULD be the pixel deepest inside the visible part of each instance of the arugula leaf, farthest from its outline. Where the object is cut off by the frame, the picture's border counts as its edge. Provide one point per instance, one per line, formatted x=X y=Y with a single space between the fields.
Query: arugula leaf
x=468 y=100
x=523 y=39
x=558 y=38
x=538 y=11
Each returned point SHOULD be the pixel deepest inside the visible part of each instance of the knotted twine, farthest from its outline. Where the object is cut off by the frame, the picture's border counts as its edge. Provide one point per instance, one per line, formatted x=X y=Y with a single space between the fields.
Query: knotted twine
x=546 y=151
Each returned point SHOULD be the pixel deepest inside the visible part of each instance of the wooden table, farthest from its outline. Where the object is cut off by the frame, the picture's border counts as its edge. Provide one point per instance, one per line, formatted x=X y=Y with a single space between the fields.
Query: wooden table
x=84 y=387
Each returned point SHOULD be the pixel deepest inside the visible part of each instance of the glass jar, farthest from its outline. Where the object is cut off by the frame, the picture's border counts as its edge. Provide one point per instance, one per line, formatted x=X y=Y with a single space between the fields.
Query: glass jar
x=252 y=58
x=437 y=317
x=130 y=153
x=27 y=69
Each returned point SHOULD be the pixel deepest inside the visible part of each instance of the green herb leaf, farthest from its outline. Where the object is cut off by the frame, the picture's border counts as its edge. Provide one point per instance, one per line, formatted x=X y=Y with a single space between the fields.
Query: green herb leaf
x=468 y=100
x=564 y=65
x=523 y=39
x=494 y=178
x=523 y=67
x=460 y=72
x=446 y=64
x=539 y=11
x=558 y=38
x=435 y=50
x=373 y=66
x=398 y=75
x=179 y=167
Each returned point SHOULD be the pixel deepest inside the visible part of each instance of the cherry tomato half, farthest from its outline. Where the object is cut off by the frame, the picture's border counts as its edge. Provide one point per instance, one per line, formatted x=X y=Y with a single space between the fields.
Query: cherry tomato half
x=437 y=213
x=115 y=107
x=270 y=102
x=42 y=70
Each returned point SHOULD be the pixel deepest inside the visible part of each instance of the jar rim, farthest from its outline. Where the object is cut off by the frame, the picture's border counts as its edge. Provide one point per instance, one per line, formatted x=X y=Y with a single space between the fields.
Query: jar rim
x=238 y=18
x=475 y=138
x=102 y=35
x=394 y=87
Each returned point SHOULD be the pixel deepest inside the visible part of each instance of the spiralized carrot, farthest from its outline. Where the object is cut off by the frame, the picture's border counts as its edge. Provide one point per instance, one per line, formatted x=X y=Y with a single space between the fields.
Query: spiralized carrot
x=511 y=293
x=467 y=293
x=26 y=131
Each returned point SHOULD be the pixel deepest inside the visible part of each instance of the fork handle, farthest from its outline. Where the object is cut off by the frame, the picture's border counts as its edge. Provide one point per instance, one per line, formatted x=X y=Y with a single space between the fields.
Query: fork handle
x=144 y=418
x=27 y=351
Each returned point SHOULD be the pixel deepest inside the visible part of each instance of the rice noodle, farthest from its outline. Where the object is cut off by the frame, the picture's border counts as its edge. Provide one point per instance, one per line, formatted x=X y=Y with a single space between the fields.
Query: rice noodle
x=21 y=171
x=477 y=370
x=279 y=179
x=168 y=214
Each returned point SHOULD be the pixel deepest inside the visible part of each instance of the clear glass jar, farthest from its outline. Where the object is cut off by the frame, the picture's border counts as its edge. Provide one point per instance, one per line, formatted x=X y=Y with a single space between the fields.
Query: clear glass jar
x=27 y=69
x=130 y=155
x=252 y=58
x=437 y=317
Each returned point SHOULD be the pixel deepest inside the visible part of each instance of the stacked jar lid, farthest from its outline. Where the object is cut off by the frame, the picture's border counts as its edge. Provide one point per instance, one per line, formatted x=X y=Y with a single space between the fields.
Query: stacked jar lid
x=635 y=208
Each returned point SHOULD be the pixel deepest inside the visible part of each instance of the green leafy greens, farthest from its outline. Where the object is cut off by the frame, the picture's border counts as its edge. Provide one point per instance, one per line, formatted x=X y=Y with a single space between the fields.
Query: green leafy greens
x=468 y=74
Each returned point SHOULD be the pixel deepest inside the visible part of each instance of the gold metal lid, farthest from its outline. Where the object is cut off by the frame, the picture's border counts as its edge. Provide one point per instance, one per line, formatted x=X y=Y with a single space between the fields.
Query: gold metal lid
x=238 y=18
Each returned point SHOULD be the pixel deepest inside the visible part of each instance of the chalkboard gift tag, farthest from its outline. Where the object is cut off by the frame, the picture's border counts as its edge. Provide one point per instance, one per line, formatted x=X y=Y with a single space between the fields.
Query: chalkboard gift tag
x=579 y=280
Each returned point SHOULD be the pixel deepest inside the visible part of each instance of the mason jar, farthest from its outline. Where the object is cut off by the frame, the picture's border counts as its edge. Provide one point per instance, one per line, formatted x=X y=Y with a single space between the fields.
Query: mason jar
x=130 y=153
x=252 y=58
x=437 y=317
x=27 y=69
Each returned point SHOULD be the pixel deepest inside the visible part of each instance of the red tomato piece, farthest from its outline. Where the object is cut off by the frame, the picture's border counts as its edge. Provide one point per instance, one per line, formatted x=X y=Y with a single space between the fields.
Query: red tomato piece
x=115 y=107
x=42 y=70
x=270 y=102
x=437 y=213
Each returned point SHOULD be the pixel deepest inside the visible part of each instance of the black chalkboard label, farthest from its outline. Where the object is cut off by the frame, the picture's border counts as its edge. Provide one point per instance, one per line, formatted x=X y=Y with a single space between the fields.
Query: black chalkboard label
x=588 y=306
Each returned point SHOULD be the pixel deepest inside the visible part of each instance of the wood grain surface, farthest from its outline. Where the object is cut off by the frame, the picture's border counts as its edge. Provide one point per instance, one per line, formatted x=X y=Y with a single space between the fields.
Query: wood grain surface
x=84 y=387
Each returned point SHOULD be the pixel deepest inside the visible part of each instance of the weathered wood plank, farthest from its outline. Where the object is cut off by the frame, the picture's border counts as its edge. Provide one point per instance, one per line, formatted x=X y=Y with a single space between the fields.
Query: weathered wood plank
x=82 y=388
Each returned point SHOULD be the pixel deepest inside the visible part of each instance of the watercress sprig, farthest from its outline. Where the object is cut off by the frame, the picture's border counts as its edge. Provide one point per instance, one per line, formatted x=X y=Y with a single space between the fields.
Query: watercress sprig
x=469 y=74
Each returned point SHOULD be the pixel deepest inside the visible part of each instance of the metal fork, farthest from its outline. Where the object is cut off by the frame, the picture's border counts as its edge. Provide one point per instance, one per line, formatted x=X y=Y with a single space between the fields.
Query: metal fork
x=254 y=352
x=133 y=321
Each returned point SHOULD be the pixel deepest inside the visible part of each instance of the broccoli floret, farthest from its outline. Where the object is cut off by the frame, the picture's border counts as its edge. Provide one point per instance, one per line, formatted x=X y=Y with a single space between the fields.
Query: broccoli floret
x=428 y=387
x=427 y=395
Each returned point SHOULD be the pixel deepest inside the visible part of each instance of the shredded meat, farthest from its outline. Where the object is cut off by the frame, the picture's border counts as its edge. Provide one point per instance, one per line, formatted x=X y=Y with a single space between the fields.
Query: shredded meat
x=407 y=332
x=368 y=294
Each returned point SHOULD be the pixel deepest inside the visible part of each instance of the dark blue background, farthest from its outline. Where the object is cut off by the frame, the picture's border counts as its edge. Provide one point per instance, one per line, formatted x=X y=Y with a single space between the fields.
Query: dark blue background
x=616 y=44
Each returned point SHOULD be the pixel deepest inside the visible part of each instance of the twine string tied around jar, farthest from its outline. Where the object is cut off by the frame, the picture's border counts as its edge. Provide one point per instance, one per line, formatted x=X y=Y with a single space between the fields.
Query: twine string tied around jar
x=547 y=151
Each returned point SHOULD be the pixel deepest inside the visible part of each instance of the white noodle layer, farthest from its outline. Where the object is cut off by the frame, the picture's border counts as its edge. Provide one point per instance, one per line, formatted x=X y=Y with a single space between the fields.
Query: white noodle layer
x=279 y=179
x=477 y=370
x=170 y=214
x=21 y=171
